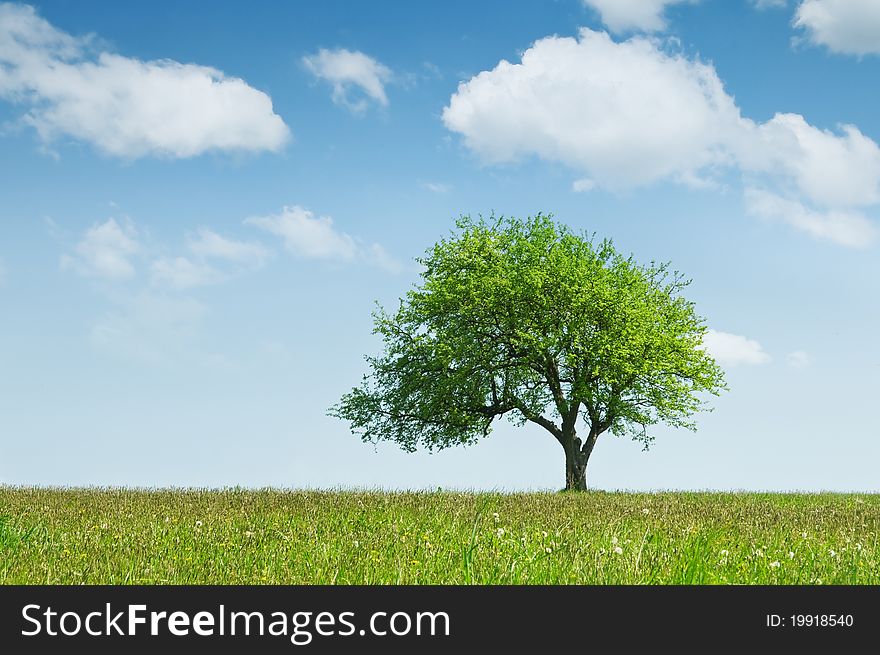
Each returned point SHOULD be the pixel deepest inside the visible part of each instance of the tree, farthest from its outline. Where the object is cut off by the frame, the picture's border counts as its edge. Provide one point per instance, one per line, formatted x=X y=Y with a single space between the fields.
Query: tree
x=526 y=319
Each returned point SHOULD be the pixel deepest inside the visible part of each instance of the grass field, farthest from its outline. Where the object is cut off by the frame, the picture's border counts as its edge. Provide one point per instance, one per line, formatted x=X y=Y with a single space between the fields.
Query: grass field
x=59 y=536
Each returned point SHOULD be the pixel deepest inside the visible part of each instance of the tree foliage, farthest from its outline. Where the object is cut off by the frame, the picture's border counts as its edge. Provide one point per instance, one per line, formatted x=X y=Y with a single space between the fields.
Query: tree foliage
x=526 y=319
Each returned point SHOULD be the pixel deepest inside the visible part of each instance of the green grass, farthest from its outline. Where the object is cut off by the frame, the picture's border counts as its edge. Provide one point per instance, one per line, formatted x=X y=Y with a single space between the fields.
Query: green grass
x=61 y=536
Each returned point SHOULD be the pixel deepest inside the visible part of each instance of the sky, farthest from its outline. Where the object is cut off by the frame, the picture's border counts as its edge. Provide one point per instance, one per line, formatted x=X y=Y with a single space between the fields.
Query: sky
x=200 y=208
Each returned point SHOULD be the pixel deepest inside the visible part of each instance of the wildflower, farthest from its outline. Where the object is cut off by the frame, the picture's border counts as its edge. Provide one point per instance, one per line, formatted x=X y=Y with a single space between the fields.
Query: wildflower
x=775 y=565
x=544 y=534
x=618 y=550
x=832 y=552
x=804 y=535
x=791 y=554
x=167 y=519
x=495 y=516
x=500 y=532
x=548 y=550
x=759 y=553
x=725 y=553
x=613 y=541
x=646 y=511
x=357 y=543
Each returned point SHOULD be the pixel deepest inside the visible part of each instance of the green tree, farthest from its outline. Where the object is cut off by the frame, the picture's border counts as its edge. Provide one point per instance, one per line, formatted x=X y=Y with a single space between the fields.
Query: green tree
x=526 y=319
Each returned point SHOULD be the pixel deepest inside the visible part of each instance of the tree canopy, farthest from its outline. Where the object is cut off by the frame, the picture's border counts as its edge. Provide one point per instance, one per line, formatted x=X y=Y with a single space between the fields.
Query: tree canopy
x=529 y=320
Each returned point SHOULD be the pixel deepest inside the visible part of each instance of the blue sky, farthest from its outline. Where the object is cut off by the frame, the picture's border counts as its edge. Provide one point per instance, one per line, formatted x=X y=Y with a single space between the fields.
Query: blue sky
x=198 y=209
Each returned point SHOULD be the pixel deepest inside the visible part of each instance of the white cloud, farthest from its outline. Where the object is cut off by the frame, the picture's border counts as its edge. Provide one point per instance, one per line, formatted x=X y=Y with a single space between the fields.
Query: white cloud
x=630 y=113
x=844 y=26
x=307 y=235
x=105 y=251
x=848 y=228
x=182 y=273
x=798 y=359
x=436 y=187
x=733 y=349
x=315 y=237
x=209 y=244
x=127 y=107
x=769 y=4
x=582 y=185
x=625 y=15
x=625 y=113
x=345 y=69
x=185 y=273
x=829 y=169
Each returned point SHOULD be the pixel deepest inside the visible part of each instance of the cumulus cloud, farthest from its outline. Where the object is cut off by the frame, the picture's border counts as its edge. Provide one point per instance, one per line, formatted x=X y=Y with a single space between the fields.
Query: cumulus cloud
x=834 y=170
x=845 y=26
x=627 y=113
x=307 y=235
x=316 y=237
x=733 y=349
x=208 y=244
x=847 y=228
x=198 y=270
x=124 y=106
x=626 y=15
x=105 y=251
x=347 y=71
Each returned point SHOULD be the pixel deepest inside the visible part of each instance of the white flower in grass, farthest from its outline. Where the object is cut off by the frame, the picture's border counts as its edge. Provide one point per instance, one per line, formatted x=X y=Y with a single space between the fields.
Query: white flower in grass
x=775 y=565
x=791 y=554
x=618 y=550
x=646 y=511
x=833 y=553
x=500 y=532
x=725 y=553
x=613 y=541
x=495 y=516
x=548 y=550
x=198 y=524
x=759 y=553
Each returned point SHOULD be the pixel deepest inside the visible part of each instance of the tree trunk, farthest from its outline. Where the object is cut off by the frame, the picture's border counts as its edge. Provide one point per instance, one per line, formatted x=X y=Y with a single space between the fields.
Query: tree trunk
x=576 y=457
x=575 y=468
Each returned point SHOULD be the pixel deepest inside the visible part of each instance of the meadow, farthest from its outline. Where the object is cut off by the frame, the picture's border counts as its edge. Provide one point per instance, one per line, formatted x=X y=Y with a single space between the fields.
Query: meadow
x=119 y=536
